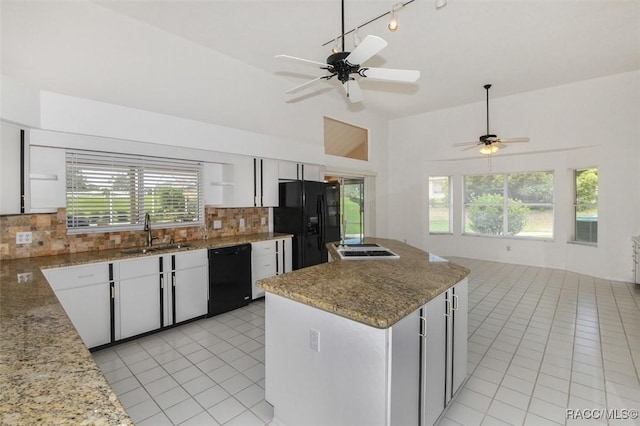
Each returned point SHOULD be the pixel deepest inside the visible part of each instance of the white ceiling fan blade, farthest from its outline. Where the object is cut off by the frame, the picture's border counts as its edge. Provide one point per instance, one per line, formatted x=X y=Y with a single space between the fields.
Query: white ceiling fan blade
x=354 y=93
x=365 y=50
x=513 y=140
x=407 y=76
x=305 y=85
x=471 y=147
x=466 y=143
x=305 y=61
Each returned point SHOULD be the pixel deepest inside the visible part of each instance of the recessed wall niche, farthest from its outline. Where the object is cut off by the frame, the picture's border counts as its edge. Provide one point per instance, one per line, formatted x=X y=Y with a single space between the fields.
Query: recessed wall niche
x=345 y=140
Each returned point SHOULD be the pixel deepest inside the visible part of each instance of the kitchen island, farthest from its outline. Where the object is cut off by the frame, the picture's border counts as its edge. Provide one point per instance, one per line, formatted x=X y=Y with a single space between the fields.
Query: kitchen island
x=366 y=342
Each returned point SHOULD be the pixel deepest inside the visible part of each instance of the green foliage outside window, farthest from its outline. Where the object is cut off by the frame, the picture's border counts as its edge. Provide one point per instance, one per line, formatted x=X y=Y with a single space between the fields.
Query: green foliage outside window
x=486 y=215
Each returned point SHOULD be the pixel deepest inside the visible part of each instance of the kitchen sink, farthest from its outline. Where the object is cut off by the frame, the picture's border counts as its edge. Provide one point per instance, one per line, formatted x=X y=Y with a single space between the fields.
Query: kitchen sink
x=143 y=250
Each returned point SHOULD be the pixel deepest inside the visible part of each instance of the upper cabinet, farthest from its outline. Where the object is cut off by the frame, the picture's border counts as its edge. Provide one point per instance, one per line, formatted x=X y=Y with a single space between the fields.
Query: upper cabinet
x=11 y=175
x=255 y=182
x=47 y=179
x=290 y=170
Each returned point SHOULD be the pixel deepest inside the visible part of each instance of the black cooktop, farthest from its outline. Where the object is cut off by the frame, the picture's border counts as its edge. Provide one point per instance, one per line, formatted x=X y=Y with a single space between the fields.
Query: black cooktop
x=362 y=253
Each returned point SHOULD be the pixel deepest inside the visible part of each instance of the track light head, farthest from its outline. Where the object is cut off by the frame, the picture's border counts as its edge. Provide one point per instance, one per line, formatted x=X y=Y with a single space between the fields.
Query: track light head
x=440 y=4
x=393 y=23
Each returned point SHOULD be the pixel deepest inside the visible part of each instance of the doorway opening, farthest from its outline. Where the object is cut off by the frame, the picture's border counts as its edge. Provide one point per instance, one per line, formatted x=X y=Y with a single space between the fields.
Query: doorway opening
x=352 y=202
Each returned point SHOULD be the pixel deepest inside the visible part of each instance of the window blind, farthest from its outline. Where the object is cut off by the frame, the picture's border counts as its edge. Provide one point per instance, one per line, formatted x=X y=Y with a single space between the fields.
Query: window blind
x=110 y=190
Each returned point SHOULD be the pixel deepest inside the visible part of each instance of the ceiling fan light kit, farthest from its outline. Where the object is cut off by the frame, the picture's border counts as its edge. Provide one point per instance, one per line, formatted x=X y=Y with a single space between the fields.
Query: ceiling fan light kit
x=490 y=143
x=345 y=65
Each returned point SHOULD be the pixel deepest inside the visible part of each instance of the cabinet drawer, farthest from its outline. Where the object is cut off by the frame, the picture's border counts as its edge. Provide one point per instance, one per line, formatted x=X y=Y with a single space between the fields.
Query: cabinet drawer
x=77 y=276
x=263 y=248
x=263 y=267
x=191 y=259
x=140 y=267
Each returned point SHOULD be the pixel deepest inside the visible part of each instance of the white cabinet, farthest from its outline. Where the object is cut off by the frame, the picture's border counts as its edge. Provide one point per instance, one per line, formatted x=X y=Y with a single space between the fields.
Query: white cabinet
x=47 y=179
x=255 y=182
x=289 y=170
x=139 y=295
x=269 y=258
x=107 y=302
x=85 y=294
x=443 y=351
x=189 y=279
x=10 y=169
x=346 y=372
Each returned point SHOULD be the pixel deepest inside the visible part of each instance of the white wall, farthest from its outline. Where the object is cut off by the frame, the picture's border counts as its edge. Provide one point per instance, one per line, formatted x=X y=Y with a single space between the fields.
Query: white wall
x=593 y=123
x=76 y=67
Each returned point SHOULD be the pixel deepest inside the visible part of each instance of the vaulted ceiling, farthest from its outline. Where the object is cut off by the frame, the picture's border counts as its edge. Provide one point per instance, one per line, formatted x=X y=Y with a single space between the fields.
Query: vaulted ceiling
x=518 y=45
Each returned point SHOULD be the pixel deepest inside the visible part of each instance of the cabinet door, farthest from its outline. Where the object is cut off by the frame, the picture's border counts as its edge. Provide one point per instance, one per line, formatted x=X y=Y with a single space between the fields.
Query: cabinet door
x=289 y=170
x=459 y=334
x=139 y=294
x=244 y=182
x=10 y=175
x=405 y=370
x=269 y=183
x=89 y=309
x=433 y=360
x=84 y=293
x=191 y=289
x=190 y=285
x=48 y=186
x=285 y=262
x=313 y=172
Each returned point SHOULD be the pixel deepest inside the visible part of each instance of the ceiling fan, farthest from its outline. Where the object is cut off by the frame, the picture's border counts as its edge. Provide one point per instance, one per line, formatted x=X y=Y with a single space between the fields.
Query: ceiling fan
x=489 y=143
x=346 y=65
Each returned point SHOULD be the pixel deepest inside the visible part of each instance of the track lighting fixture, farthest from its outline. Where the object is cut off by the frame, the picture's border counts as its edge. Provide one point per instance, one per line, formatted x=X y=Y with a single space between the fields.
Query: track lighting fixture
x=393 y=23
x=356 y=38
x=392 y=26
x=336 y=48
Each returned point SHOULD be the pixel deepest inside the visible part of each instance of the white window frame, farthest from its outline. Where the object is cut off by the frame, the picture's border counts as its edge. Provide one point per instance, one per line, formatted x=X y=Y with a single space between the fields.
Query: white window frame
x=505 y=207
x=450 y=205
x=142 y=173
x=576 y=206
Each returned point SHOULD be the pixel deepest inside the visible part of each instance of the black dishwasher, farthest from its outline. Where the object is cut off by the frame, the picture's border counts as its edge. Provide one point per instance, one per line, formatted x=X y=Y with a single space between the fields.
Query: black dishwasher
x=229 y=278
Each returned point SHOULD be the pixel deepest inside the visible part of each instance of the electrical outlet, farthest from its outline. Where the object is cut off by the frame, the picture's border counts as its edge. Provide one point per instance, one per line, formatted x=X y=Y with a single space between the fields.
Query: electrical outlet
x=25 y=277
x=314 y=340
x=24 y=237
x=242 y=223
x=263 y=220
x=217 y=224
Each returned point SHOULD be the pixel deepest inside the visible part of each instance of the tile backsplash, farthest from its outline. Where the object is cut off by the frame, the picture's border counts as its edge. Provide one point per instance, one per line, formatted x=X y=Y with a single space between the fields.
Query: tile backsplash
x=49 y=232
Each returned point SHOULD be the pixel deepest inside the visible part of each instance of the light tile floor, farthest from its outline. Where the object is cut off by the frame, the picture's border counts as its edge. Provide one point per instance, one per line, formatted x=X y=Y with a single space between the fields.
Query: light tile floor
x=541 y=341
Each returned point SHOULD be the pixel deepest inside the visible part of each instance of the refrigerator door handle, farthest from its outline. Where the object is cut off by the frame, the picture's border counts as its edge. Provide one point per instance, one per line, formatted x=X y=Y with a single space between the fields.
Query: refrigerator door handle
x=320 y=209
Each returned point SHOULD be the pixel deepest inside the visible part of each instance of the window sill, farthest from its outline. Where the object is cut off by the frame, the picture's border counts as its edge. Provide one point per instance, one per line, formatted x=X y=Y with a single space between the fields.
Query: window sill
x=583 y=243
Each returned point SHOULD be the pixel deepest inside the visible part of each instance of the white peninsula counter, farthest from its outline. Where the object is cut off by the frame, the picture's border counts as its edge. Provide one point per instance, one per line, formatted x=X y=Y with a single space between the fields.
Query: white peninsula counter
x=366 y=342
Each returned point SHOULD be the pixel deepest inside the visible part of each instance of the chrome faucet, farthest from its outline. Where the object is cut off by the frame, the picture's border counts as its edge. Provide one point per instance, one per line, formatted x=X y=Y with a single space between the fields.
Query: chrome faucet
x=147 y=229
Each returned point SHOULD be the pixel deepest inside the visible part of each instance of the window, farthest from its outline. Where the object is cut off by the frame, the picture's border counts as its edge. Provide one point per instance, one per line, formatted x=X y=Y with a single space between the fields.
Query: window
x=439 y=204
x=527 y=199
x=109 y=191
x=586 y=205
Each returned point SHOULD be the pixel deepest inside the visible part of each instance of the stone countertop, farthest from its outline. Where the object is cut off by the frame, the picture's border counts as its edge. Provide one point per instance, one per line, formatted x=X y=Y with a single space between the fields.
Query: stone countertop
x=47 y=374
x=378 y=293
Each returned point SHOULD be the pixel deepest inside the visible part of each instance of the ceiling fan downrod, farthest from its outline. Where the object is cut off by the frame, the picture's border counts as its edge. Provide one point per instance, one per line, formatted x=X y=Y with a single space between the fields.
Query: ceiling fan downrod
x=488 y=135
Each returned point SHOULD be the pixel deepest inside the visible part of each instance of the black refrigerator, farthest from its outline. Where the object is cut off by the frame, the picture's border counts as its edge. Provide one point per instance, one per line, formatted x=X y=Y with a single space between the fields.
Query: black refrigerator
x=311 y=212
